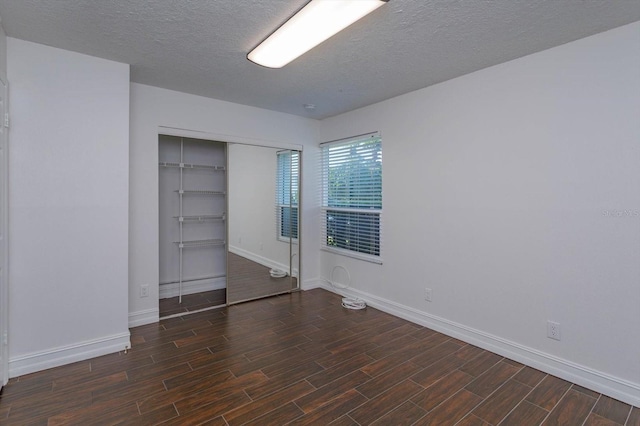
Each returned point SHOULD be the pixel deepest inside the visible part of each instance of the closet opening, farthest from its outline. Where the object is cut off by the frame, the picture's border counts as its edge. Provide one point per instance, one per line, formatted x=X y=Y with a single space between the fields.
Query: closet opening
x=192 y=188
x=229 y=223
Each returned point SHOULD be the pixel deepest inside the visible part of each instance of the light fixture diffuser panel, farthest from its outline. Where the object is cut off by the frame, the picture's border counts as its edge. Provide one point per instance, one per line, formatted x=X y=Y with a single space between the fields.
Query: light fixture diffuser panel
x=313 y=24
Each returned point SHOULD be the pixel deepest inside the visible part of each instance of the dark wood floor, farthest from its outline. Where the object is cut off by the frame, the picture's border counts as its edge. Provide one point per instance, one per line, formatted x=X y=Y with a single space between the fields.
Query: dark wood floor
x=248 y=280
x=301 y=359
x=192 y=302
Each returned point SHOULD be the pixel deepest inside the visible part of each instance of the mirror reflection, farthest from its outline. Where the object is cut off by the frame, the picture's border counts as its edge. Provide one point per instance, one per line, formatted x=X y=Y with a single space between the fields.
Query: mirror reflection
x=263 y=221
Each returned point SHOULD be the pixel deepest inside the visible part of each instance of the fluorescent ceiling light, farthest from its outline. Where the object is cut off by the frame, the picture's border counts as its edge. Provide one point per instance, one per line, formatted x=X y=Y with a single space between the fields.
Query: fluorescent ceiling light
x=313 y=24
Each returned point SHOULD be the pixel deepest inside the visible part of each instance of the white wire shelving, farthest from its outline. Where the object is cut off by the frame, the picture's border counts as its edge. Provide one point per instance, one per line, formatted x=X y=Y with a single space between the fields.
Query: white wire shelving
x=199 y=192
x=199 y=243
x=193 y=166
x=201 y=218
x=182 y=218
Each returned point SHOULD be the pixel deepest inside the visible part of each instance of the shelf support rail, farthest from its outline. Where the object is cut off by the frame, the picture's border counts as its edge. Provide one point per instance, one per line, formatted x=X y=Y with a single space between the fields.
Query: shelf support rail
x=180 y=246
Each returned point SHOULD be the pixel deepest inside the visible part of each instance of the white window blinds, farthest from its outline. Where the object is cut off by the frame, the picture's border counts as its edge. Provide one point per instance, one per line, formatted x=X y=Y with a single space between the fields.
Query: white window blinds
x=352 y=196
x=287 y=178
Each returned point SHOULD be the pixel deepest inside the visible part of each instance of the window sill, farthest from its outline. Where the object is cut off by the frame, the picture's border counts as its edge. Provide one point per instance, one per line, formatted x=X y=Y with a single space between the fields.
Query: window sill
x=287 y=240
x=347 y=253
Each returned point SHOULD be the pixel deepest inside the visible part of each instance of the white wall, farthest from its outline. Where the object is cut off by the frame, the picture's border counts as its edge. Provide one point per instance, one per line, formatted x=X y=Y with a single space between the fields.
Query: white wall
x=3 y=51
x=68 y=206
x=502 y=191
x=252 y=214
x=153 y=107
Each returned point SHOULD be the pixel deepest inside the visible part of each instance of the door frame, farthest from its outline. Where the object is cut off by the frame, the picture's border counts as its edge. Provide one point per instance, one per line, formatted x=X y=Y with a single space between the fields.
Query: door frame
x=234 y=139
x=4 y=234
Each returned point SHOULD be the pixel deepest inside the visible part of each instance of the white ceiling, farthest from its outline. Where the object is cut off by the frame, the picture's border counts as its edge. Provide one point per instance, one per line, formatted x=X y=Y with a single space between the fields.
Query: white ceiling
x=200 y=46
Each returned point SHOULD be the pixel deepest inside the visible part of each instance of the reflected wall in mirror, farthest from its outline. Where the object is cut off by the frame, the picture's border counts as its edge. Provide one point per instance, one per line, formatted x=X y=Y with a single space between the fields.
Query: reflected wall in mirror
x=263 y=219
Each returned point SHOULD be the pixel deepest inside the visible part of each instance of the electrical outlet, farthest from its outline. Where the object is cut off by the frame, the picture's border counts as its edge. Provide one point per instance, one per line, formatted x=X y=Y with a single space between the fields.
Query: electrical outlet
x=553 y=330
x=427 y=294
x=144 y=290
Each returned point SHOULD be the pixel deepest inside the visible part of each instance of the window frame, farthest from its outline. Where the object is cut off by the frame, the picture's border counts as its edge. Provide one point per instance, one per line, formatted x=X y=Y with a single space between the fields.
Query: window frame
x=326 y=209
x=282 y=193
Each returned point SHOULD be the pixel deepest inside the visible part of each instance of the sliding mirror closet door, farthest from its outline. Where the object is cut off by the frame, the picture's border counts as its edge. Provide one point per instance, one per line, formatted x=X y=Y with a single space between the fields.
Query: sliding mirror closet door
x=193 y=205
x=263 y=249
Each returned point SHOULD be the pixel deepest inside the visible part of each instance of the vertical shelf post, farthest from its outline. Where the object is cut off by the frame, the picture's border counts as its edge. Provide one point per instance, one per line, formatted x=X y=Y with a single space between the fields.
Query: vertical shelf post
x=180 y=193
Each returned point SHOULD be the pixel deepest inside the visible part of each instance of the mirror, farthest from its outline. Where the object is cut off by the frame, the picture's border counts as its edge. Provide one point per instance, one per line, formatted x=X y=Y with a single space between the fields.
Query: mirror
x=263 y=256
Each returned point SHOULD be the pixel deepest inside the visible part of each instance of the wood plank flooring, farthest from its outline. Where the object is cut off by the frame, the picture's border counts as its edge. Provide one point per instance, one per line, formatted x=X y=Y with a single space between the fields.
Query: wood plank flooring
x=301 y=359
x=247 y=280
x=192 y=302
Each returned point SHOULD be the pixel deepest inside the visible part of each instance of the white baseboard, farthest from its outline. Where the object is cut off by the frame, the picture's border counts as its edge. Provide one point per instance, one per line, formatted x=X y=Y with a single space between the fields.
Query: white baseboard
x=37 y=361
x=147 y=316
x=312 y=283
x=598 y=381
x=172 y=290
x=272 y=264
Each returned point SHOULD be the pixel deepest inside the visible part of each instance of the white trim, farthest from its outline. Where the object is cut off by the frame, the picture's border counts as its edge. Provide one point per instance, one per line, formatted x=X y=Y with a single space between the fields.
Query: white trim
x=147 y=316
x=360 y=137
x=312 y=283
x=172 y=290
x=221 y=137
x=604 y=383
x=37 y=361
x=261 y=260
x=181 y=314
x=353 y=254
x=287 y=240
x=4 y=231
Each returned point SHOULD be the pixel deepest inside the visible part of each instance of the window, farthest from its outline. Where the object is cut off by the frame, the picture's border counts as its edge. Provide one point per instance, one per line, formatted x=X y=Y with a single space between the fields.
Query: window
x=287 y=194
x=352 y=196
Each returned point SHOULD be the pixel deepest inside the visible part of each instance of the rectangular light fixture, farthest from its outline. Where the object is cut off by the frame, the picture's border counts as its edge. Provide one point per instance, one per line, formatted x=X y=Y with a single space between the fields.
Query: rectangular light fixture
x=313 y=24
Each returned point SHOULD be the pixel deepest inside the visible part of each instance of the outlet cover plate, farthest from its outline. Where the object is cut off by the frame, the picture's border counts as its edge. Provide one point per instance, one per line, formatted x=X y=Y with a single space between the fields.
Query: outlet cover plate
x=553 y=330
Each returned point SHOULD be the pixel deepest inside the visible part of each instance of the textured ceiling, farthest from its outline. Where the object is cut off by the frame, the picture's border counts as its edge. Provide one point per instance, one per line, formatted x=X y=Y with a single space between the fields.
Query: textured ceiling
x=200 y=46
